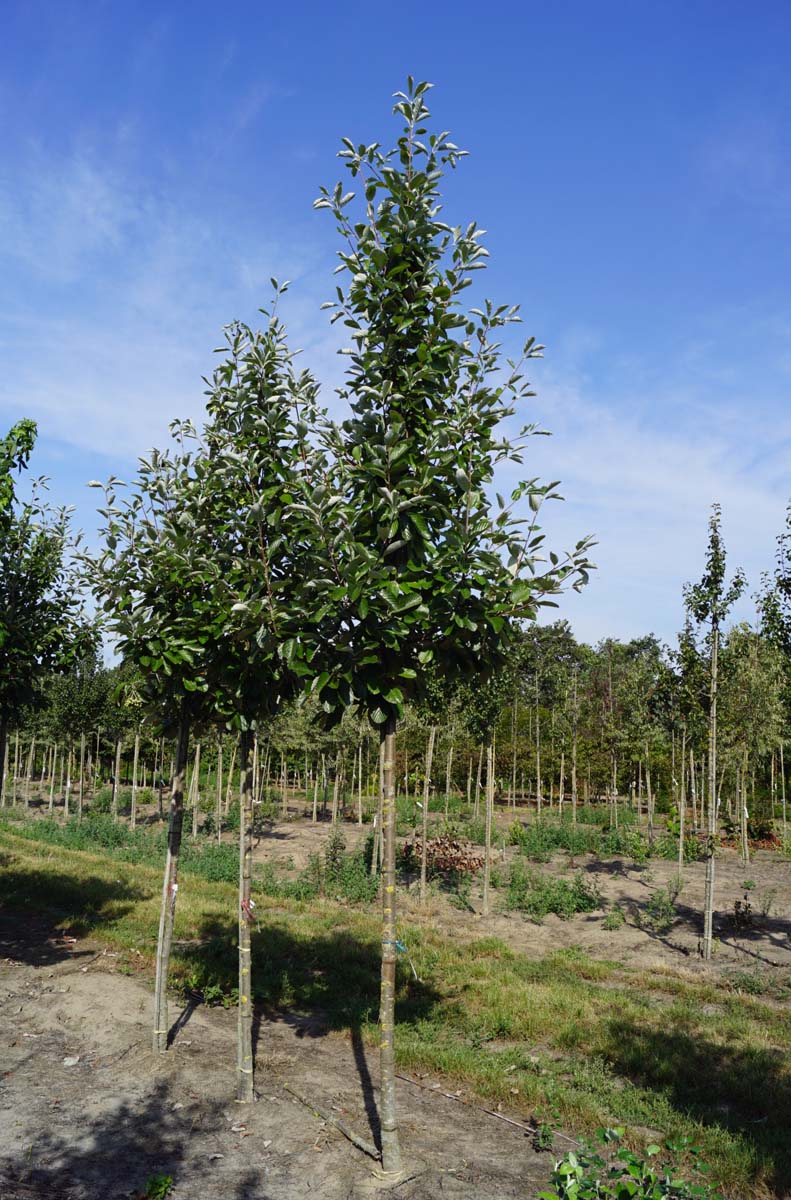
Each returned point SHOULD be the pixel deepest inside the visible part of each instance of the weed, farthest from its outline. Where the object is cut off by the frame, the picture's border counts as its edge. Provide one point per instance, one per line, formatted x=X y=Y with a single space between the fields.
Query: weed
x=766 y=901
x=158 y=1187
x=659 y=914
x=615 y=918
x=748 y=885
x=543 y=1138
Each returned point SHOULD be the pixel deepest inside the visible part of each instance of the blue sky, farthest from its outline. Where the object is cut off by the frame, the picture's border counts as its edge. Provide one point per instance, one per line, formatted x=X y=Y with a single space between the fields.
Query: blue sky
x=632 y=164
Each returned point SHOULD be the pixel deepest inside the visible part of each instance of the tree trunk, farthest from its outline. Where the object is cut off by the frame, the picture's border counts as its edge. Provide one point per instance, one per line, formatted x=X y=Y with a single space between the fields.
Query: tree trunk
x=487 y=852
x=783 y=794
x=29 y=772
x=744 y=814
x=218 y=803
x=3 y=761
x=81 y=792
x=391 y=1150
x=682 y=805
x=244 y=1090
x=538 y=754
x=135 y=760
x=432 y=733
x=52 y=779
x=649 y=795
x=477 y=807
x=195 y=791
x=170 y=886
x=711 y=831
x=448 y=769
x=116 y=778
x=67 y=793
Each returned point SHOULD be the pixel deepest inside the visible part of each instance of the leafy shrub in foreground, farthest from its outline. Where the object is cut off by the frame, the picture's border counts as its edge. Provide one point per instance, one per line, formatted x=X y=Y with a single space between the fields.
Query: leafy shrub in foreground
x=587 y=1175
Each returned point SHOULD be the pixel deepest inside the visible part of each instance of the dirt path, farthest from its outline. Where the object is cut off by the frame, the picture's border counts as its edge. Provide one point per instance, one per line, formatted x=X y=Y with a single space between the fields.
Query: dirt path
x=87 y=1112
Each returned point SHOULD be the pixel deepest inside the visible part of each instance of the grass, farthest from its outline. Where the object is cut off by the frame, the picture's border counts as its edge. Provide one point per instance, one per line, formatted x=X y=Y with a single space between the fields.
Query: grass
x=587 y=1043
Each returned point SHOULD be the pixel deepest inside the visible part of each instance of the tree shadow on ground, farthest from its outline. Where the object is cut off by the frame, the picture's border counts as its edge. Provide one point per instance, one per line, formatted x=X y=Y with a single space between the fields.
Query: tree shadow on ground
x=41 y=907
x=117 y=1153
x=746 y=1090
x=316 y=983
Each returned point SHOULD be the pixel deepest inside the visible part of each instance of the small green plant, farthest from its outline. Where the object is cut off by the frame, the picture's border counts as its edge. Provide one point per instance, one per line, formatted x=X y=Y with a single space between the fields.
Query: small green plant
x=587 y=1175
x=537 y=895
x=615 y=918
x=749 y=982
x=659 y=914
x=158 y=1187
x=748 y=885
x=766 y=901
x=543 y=1138
x=742 y=915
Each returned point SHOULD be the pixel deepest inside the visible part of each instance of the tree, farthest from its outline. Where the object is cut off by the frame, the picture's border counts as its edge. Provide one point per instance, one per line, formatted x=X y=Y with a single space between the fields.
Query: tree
x=153 y=579
x=427 y=573
x=262 y=553
x=42 y=623
x=708 y=603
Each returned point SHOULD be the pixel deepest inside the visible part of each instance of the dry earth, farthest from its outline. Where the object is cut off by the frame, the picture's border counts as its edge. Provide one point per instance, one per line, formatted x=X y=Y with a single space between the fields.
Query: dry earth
x=88 y=1112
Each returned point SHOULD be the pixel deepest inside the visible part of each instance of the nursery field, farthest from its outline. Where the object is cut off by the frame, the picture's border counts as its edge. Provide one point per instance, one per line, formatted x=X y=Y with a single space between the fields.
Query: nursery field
x=579 y=1002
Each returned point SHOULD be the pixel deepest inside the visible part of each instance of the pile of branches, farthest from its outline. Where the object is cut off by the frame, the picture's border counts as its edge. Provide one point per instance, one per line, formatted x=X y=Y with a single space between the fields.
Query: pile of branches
x=446 y=855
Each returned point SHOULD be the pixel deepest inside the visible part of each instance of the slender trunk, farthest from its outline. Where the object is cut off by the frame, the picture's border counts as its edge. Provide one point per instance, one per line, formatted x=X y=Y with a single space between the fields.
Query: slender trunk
x=245 y=1032
x=682 y=805
x=218 y=803
x=783 y=793
x=744 y=815
x=229 y=788
x=693 y=786
x=391 y=1150
x=538 y=754
x=116 y=778
x=80 y=793
x=432 y=733
x=448 y=769
x=360 y=783
x=195 y=791
x=469 y=780
x=16 y=767
x=52 y=780
x=649 y=795
x=170 y=886
x=514 y=722
x=135 y=760
x=477 y=808
x=336 y=783
x=711 y=832
x=67 y=796
x=376 y=849
x=574 y=758
x=3 y=760
x=29 y=772
x=487 y=852
x=562 y=783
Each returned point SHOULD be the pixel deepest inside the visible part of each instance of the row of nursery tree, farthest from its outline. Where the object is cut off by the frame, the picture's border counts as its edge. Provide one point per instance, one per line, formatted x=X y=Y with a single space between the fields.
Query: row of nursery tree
x=572 y=723
x=299 y=585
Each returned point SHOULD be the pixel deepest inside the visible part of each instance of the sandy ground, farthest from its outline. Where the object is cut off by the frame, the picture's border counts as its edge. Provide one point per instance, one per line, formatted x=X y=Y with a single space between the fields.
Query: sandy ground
x=764 y=945
x=88 y=1112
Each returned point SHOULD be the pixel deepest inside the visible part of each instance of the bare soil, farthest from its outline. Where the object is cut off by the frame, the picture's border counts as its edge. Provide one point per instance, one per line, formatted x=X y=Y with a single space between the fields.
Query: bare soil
x=88 y=1112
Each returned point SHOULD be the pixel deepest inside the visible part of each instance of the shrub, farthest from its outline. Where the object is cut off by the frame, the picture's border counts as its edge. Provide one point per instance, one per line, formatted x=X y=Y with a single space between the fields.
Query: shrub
x=537 y=895
x=615 y=918
x=659 y=914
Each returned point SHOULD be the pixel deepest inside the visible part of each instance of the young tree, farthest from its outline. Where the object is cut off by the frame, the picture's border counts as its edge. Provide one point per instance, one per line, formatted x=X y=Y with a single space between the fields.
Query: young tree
x=153 y=579
x=42 y=623
x=257 y=462
x=427 y=572
x=708 y=603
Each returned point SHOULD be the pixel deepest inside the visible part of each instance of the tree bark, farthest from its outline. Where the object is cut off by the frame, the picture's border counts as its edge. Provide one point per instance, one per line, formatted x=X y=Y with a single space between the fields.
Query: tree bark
x=391 y=1150
x=244 y=1090
x=81 y=791
x=432 y=733
x=218 y=805
x=135 y=759
x=711 y=831
x=487 y=860
x=170 y=886
x=3 y=760
x=116 y=778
